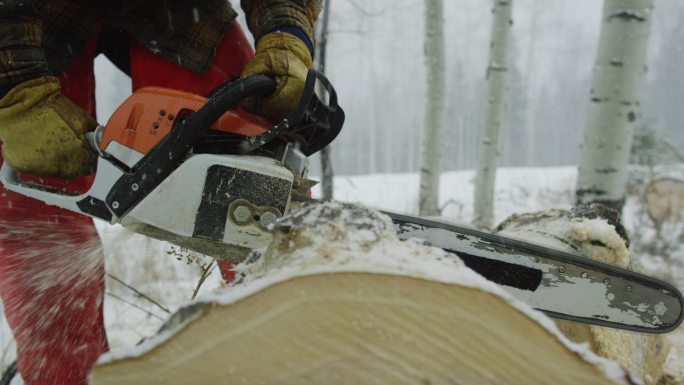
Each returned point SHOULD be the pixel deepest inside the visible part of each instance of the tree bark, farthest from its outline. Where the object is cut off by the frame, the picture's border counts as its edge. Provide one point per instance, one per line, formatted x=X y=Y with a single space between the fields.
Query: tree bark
x=434 y=110
x=614 y=108
x=488 y=158
x=327 y=176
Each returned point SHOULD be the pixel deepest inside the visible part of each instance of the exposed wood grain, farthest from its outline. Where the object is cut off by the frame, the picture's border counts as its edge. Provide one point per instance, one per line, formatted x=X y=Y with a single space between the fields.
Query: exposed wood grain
x=358 y=328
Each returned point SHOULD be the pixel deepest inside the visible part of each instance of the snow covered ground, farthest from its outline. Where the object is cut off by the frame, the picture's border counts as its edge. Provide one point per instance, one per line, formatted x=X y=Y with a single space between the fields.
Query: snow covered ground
x=518 y=190
x=169 y=276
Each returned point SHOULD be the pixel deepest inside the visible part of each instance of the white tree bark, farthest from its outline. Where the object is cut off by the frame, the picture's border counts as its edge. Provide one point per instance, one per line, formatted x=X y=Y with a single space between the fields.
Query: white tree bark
x=614 y=107
x=434 y=109
x=489 y=146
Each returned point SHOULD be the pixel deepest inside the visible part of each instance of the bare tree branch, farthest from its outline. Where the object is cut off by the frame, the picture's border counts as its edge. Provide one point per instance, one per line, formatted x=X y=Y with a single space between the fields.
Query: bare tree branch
x=675 y=150
x=139 y=294
x=134 y=305
x=206 y=272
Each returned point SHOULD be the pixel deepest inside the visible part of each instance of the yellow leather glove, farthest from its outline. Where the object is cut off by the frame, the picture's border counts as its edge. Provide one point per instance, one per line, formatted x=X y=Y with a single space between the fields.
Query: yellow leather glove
x=287 y=59
x=43 y=132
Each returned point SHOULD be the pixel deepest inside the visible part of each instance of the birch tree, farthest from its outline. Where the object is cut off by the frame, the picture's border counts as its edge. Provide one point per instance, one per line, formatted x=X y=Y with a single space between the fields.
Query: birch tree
x=326 y=158
x=614 y=108
x=488 y=158
x=434 y=109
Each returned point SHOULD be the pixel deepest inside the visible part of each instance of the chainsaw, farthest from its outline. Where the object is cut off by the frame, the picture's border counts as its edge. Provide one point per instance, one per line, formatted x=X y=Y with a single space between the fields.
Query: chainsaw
x=203 y=174
x=199 y=172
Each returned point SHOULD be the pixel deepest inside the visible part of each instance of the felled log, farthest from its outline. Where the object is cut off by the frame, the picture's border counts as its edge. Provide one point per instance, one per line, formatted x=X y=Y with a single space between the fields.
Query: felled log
x=337 y=299
x=594 y=231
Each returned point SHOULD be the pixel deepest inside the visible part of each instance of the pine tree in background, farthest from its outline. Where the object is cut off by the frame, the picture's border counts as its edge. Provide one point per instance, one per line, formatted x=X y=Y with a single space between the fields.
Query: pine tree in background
x=489 y=145
x=614 y=108
x=434 y=110
x=651 y=148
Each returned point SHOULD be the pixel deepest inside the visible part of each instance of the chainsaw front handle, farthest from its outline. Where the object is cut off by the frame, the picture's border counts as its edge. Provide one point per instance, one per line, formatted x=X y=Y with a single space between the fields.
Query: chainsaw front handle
x=313 y=124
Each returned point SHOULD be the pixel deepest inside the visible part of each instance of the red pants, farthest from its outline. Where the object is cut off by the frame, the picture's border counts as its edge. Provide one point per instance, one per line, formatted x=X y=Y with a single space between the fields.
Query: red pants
x=51 y=264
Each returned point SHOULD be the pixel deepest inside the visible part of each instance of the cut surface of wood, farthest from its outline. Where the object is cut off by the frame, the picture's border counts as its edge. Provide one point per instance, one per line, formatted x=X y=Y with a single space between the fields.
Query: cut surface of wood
x=357 y=328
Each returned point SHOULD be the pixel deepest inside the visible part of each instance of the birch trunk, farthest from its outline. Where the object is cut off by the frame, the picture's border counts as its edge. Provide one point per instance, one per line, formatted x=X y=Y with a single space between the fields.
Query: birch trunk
x=614 y=107
x=489 y=146
x=326 y=156
x=434 y=109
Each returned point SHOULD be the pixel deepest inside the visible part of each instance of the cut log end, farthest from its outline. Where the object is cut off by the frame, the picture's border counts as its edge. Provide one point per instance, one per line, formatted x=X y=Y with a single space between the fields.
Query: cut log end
x=338 y=299
x=358 y=328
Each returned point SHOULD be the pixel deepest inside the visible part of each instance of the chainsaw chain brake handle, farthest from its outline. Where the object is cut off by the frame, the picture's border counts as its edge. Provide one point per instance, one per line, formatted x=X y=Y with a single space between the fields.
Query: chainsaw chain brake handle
x=312 y=125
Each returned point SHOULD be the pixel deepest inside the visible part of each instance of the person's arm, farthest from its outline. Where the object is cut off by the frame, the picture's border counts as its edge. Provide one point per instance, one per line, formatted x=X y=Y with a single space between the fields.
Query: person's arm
x=42 y=132
x=21 y=54
x=292 y=16
x=283 y=30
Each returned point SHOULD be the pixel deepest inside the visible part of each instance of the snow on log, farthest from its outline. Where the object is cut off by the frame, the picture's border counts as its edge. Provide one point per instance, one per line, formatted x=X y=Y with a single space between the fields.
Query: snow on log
x=594 y=231
x=338 y=299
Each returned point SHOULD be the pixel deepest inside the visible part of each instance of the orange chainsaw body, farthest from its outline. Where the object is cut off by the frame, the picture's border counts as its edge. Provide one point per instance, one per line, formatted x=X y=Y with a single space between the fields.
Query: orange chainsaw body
x=148 y=115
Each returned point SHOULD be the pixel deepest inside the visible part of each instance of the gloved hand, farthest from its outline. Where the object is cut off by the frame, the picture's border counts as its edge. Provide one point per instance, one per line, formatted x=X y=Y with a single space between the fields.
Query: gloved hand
x=287 y=59
x=43 y=132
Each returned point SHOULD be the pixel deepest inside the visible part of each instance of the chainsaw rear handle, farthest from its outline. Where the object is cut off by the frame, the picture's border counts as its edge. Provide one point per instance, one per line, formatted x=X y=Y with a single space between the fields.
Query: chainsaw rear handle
x=90 y=203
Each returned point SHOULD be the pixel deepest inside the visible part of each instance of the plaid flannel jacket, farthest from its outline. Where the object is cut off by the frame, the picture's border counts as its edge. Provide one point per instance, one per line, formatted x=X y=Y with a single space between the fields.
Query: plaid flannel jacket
x=43 y=37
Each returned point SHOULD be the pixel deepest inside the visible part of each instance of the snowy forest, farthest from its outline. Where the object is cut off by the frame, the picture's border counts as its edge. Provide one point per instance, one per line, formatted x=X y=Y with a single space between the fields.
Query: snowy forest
x=525 y=67
x=376 y=60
